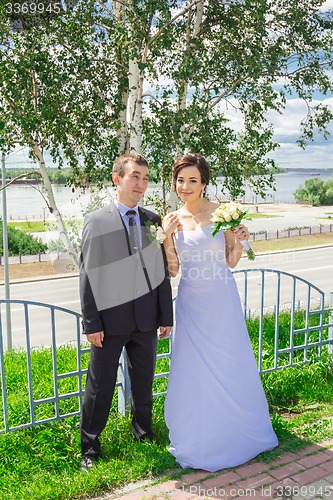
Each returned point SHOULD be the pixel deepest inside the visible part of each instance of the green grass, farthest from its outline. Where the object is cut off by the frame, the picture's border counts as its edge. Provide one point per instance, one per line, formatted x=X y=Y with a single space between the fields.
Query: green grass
x=39 y=226
x=308 y=240
x=254 y=215
x=42 y=462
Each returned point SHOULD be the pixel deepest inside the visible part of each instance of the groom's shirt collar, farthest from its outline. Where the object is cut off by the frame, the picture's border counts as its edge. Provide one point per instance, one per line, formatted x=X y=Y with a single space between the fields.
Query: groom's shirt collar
x=122 y=211
x=123 y=208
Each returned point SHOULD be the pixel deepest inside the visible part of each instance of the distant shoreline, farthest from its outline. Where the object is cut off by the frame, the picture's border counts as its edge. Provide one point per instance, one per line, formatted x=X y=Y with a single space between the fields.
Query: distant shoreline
x=300 y=169
x=22 y=181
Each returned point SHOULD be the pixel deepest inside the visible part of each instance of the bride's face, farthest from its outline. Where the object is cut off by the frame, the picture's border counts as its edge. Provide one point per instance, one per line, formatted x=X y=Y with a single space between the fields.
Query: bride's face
x=188 y=184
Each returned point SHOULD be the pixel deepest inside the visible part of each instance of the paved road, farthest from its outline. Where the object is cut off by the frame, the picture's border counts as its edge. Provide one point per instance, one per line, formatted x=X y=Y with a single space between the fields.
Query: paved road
x=315 y=265
x=60 y=292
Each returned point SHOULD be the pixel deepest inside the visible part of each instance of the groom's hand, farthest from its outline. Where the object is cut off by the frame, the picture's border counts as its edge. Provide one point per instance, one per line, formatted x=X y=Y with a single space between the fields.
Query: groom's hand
x=164 y=332
x=96 y=338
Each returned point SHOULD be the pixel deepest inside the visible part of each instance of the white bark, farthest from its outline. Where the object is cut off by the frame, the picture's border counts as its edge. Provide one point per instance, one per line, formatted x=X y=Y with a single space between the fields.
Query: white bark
x=173 y=199
x=118 y=9
x=122 y=133
x=53 y=206
x=135 y=107
x=198 y=19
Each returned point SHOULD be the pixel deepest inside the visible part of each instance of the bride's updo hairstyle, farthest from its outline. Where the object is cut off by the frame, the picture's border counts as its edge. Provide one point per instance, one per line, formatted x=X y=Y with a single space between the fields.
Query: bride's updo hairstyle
x=192 y=160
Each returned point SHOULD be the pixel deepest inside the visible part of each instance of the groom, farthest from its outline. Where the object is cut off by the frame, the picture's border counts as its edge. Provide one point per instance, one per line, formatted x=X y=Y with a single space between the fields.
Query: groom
x=125 y=296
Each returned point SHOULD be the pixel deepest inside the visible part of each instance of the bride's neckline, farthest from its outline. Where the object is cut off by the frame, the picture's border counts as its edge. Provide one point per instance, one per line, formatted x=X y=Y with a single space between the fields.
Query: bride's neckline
x=193 y=230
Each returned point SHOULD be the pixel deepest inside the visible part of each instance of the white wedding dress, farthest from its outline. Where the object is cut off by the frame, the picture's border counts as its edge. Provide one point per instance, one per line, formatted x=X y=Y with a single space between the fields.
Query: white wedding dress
x=215 y=407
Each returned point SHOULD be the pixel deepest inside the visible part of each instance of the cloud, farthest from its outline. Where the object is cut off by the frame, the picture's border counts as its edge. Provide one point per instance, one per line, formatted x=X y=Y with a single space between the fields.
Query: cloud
x=318 y=154
x=289 y=155
x=327 y=5
x=287 y=126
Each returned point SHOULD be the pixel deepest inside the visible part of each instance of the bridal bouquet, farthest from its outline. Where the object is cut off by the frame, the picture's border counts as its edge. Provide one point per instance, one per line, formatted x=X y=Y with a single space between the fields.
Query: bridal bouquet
x=228 y=216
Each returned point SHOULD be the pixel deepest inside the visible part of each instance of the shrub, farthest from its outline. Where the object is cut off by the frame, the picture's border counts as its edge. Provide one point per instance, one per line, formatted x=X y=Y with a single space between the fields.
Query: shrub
x=56 y=245
x=20 y=242
x=315 y=191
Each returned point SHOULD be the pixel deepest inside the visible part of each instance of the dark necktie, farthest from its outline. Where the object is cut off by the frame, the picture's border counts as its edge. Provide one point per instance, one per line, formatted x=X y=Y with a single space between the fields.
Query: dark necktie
x=133 y=232
x=135 y=243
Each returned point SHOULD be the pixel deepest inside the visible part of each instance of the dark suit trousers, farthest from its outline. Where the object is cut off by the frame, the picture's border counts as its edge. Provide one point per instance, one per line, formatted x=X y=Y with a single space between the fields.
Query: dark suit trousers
x=101 y=380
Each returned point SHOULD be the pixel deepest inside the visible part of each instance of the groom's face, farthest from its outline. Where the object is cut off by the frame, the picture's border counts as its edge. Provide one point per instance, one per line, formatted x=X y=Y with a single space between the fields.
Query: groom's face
x=133 y=185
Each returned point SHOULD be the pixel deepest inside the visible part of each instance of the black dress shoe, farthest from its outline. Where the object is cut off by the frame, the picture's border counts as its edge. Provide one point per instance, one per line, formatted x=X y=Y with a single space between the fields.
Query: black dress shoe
x=87 y=463
x=139 y=434
x=145 y=438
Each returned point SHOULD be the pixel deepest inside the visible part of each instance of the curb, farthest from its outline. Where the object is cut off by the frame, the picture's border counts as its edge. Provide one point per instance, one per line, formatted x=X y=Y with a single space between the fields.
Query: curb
x=41 y=278
x=300 y=249
x=303 y=474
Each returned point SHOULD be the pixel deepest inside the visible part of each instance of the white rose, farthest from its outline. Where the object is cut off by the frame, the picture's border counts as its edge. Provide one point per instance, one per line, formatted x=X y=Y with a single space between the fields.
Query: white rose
x=227 y=218
x=152 y=229
x=235 y=216
x=232 y=208
x=160 y=236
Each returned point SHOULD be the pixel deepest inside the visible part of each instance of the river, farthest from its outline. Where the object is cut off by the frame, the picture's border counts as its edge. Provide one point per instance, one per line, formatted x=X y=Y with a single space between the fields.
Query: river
x=26 y=202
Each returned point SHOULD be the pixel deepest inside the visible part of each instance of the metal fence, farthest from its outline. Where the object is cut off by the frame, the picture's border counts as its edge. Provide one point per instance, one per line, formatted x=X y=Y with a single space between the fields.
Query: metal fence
x=38 y=257
x=288 y=233
x=46 y=384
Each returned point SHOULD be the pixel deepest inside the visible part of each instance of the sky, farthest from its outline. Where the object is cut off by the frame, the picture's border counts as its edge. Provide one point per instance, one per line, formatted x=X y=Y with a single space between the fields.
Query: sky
x=286 y=126
x=319 y=153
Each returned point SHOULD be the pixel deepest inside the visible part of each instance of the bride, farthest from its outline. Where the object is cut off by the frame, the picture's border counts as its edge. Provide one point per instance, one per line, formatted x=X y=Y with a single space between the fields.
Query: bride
x=215 y=407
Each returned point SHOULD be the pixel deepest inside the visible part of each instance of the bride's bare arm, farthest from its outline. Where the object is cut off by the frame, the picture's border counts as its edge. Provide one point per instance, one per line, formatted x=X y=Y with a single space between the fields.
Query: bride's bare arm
x=233 y=244
x=170 y=224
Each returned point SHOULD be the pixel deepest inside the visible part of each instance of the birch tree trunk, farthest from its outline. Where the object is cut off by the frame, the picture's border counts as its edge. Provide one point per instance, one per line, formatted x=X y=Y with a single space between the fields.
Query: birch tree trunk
x=46 y=180
x=53 y=206
x=135 y=106
x=122 y=132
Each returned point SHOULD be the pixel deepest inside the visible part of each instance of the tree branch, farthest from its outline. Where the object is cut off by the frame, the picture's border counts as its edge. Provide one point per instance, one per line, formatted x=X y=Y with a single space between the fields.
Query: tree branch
x=152 y=97
x=106 y=9
x=226 y=92
x=168 y=23
x=20 y=177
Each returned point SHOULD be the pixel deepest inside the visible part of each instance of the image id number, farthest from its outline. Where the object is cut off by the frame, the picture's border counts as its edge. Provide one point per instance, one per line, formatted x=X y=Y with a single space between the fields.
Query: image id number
x=33 y=7
x=310 y=490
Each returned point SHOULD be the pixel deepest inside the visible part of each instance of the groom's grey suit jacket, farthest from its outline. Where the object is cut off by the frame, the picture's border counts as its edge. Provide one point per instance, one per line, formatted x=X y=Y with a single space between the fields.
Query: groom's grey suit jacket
x=120 y=292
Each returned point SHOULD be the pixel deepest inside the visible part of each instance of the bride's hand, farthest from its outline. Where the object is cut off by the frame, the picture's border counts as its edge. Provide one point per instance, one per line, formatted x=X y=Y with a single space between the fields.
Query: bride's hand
x=241 y=232
x=170 y=224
